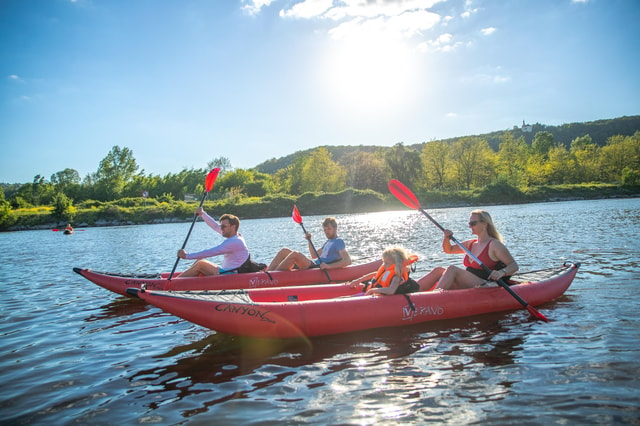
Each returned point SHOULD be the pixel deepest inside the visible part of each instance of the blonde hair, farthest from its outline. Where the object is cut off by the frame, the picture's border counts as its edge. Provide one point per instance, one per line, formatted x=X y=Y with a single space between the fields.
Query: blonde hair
x=491 y=228
x=398 y=255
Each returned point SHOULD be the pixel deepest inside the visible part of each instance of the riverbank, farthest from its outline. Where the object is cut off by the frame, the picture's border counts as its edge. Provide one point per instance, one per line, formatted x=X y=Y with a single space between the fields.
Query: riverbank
x=124 y=212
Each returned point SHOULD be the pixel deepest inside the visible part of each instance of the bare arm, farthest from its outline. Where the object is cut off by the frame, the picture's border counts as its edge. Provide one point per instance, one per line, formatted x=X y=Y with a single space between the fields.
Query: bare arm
x=393 y=286
x=449 y=247
x=362 y=279
x=498 y=251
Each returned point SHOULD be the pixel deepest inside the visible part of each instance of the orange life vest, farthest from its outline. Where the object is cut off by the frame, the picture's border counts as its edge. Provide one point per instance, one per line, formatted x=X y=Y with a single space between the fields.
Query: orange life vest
x=385 y=275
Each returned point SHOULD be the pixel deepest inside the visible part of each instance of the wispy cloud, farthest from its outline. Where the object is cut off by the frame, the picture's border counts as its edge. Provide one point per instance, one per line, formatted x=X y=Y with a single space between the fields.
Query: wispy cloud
x=253 y=7
x=358 y=19
x=489 y=76
x=488 y=31
x=16 y=78
x=308 y=9
x=468 y=9
x=443 y=43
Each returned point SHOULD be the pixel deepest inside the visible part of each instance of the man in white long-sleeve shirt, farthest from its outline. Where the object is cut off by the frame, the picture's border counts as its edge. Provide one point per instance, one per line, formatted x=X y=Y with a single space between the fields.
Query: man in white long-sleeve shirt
x=233 y=249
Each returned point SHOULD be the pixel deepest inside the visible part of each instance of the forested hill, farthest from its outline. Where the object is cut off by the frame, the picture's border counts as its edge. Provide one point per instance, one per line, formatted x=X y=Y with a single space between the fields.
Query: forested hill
x=599 y=131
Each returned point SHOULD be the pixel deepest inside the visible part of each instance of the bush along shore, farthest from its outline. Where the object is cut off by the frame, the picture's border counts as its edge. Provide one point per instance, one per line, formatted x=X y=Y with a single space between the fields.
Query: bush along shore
x=136 y=211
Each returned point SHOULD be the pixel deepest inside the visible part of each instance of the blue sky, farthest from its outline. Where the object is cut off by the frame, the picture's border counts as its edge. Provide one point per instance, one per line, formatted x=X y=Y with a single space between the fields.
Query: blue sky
x=181 y=82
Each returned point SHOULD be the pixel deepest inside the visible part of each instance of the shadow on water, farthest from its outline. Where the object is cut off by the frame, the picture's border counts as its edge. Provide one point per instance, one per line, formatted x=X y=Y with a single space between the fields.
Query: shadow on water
x=121 y=307
x=222 y=368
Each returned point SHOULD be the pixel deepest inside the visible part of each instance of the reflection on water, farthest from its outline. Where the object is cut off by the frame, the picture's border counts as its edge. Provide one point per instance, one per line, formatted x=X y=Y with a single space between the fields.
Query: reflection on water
x=73 y=352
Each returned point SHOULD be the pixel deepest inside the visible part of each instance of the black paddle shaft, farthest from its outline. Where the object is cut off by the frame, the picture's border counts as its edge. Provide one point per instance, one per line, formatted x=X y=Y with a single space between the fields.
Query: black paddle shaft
x=195 y=217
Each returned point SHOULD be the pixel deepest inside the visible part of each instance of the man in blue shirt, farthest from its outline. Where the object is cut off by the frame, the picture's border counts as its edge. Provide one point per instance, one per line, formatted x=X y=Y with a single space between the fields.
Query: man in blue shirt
x=333 y=253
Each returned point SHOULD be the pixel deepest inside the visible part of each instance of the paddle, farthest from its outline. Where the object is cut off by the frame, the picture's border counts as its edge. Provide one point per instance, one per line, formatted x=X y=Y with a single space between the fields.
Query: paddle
x=298 y=219
x=408 y=198
x=208 y=185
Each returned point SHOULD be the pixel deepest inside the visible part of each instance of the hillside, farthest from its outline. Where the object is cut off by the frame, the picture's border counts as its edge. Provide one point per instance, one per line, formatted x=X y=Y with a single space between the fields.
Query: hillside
x=599 y=131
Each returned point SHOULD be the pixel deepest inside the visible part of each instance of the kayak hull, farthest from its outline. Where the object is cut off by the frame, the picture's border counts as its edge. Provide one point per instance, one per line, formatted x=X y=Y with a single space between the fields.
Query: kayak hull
x=293 y=312
x=118 y=283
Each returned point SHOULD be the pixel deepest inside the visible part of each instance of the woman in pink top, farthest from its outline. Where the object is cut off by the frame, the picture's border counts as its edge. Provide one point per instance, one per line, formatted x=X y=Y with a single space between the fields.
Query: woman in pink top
x=487 y=247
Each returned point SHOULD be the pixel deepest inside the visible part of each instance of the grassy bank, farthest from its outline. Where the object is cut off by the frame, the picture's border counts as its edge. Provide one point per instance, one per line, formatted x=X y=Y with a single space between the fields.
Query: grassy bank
x=138 y=211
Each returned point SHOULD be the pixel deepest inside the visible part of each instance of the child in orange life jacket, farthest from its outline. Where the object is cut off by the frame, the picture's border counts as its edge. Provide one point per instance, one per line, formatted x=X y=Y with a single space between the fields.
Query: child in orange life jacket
x=391 y=275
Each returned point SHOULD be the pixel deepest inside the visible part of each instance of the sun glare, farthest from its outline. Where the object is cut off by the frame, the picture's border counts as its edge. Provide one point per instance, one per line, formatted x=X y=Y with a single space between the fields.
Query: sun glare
x=370 y=78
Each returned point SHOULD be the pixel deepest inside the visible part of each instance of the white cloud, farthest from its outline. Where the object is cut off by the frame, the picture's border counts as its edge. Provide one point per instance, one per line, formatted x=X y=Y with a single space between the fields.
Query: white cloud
x=468 y=10
x=254 y=7
x=488 y=31
x=489 y=76
x=443 y=43
x=356 y=19
x=307 y=9
x=14 y=77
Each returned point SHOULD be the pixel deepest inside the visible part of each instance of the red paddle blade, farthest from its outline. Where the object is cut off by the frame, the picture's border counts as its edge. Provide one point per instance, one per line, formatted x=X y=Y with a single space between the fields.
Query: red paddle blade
x=533 y=311
x=403 y=194
x=211 y=179
x=296 y=215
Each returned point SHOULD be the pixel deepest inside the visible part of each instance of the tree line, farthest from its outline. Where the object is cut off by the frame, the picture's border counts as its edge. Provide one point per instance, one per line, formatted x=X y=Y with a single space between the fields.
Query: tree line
x=465 y=163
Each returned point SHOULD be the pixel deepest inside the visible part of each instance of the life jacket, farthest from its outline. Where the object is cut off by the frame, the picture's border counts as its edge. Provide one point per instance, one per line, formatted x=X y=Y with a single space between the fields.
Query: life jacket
x=384 y=275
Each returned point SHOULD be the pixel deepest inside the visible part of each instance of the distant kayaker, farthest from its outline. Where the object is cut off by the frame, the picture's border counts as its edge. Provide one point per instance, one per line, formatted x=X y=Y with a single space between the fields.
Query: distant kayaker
x=488 y=248
x=333 y=253
x=233 y=249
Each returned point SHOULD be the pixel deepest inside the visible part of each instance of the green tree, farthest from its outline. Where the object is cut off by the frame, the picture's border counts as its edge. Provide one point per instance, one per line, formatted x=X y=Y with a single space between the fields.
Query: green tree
x=472 y=161
x=405 y=164
x=63 y=210
x=587 y=155
x=542 y=143
x=41 y=191
x=512 y=159
x=562 y=166
x=7 y=217
x=68 y=182
x=366 y=170
x=435 y=159
x=620 y=152
x=283 y=178
x=115 y=170
x=141 y=183
x=65 y=178
x=223 y=162
x=320 y=173
x=247 y=182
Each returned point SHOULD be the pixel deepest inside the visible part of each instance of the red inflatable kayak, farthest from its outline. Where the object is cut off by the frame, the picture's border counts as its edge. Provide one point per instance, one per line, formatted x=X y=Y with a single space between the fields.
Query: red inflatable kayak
x=292 y=312
x=119 y=283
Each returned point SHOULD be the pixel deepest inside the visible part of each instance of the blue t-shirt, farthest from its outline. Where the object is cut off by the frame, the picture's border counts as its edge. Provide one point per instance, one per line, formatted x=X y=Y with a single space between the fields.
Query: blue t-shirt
x=331 y=251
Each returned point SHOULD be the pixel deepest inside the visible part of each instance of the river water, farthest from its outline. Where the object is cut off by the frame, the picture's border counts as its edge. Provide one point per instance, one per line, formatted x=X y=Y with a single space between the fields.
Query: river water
x=74 y=353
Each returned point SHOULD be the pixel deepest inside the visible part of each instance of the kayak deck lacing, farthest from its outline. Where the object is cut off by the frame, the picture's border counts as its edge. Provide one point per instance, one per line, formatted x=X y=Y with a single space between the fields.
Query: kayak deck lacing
x=222 y=296
x=148 y=276
x=537 y=275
